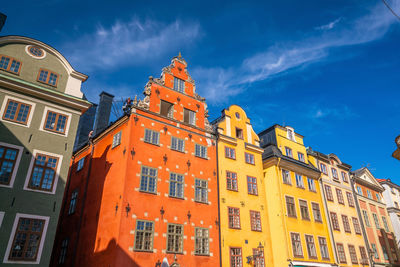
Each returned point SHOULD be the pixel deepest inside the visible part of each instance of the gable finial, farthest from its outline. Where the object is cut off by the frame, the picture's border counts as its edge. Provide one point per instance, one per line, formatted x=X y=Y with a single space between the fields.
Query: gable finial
x=179 y=55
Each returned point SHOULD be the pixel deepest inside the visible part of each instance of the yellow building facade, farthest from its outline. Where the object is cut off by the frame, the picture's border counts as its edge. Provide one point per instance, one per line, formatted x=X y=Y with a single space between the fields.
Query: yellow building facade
x=245 y=237
x=297 y=216
x=346 y=226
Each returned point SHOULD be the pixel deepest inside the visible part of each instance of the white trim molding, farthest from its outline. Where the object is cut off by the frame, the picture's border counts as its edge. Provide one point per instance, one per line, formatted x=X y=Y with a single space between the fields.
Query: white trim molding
x=3 y=109
x=17 y=162
x=28 y=176
x=10 y=241
x=69 y=117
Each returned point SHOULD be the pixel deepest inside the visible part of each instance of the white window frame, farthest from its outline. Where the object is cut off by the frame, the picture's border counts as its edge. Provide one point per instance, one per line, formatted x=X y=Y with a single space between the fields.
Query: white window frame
x=116 y=139
x=11 y=240
x=3 y=109
x=28 y=176
x=177 y=145
x=205 y=154
x=151 y=137
x=43 y=122
x=17 y=162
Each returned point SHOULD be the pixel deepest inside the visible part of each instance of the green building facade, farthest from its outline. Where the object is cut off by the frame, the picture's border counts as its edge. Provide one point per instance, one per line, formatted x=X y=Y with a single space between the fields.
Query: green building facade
x=40 y=105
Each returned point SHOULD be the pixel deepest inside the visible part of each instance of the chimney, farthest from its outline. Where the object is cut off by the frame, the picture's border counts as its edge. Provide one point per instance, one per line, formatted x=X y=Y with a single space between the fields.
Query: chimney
x=103 y=112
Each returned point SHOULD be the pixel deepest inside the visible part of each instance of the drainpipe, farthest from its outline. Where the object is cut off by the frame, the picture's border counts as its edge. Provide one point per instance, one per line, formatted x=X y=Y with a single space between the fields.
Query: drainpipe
x=333 y=243
x=219 y=208
x=83 y=203
x=361 y=220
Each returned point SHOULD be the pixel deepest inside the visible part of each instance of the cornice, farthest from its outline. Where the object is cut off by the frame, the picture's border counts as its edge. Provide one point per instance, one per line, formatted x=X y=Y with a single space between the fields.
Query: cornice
x=227 y=139
x=253 y=148
x=358 y=180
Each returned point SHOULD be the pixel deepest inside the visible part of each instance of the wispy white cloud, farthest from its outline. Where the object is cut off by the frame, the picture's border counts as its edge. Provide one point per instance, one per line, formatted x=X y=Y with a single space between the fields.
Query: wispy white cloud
x=129 y=43
x=283 y=58
x=329 y=26
x=342 y=112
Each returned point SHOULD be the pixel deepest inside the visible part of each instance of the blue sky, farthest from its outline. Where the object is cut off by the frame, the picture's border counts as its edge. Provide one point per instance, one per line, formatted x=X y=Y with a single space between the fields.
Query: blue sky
x=330 y=69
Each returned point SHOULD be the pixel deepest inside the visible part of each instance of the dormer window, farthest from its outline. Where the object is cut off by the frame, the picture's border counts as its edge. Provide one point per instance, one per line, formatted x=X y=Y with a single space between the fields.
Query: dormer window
x=290 y=134
x=10 y=64
x=179 y=85
x=48 y=77
x=288 y=152
x=167 y=109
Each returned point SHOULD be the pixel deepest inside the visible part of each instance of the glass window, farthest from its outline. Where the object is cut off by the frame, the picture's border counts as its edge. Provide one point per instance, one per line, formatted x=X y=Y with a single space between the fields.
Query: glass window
x=323 y=247
x=14 y=67
x=312 y=253
x=176 y=185
x=63 y=251
x=385 y=224
x=290 y=206
x=231 y=181
x=376 y=220
x=239 y=133
x=200 y=151
x=252 y=185
x=346 y=224
x=339 y=196
x=304 y=210
x=27 y=238
x=350 y=199
x=230 y=153
x=255 y=220
x=344 y=178
x=385 y=254
x=335 y=174
x=17 y=112
x=376 y=255
x=359 y=190
x=81 y=162
x=299 y=181
x=356 y=225
x=43 y=172
x=116 y=139
x=259 y=260
x=201 y=190
x=189 y=116
x=353 y=254
x=311 y=184
x=366 y=218
x=144 y=235
x=364 y=257
x=328 y=192
x=316 y=212
x=323 y=168
x=179 y=85
x=56 y=122
x=249 y=158
x=234 y=218
x=48 y=77
x=151 y=137
x=286 y=177
x=369 y=194
x=296 y=245
x=36 y=51
x=341 y=253
x=175 y=238
x=301 y=156
x=8 y=158
x=72 y=202
x=148 y=180
x=236 y=257
x=288 y=152
x=335 y=221
x=290 y=134
x=167 y=109
x=202 y=241
x=177 y=144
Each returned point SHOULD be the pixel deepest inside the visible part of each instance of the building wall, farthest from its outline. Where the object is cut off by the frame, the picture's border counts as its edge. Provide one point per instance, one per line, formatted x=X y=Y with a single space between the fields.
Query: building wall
x=17 y=199
x=114 y=200
x=245 y=238
x=391 y=195
x=344 y=185
x=283 y=225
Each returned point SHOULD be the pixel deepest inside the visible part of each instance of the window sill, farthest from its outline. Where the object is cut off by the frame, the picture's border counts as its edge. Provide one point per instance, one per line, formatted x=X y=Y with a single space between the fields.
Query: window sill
x=176 y=150
x=174 y=252
x=205 y=255
x=287 y=183
x=9 y=71
x=201 y=157
x=53 y=131
x=253 y=194
x=259 y=231
x=201 y=202
x=235 y=228
x=230 y=158
x=233 y=190
x=181 y=198
x=146 y=251
x=148 y=192
x=151 y=143
x=318 y=221
x=291 y=216
x=55 y=86
x=22 y=123
x=250 y=163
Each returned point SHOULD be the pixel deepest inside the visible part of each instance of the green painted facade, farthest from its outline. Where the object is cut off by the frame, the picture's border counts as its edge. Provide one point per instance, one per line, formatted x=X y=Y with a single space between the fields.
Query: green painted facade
x=65 y=98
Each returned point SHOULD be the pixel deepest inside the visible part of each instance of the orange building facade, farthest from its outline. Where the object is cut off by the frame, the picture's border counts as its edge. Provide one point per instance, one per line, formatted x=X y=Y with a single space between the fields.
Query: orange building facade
x=145 y=190
x=378 y=228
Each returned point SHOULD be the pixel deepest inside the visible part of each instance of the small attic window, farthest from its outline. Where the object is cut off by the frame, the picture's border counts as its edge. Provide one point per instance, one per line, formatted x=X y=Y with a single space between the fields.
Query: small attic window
x=179 y=85
x=167 y=109
x=290 y=134
x=239 y=133
x=35 y=51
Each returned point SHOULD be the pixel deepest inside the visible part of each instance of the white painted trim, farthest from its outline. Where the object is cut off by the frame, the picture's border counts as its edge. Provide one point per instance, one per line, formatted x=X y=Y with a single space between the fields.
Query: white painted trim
x=307 y=263
x=3 y=109
x=29 y=53
x=38 y=101
x=46 y=109
x=35 y=151
x=1 y=217
x=14 y=174
x=228 y=126
x=10 y=241
x=249 y=130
